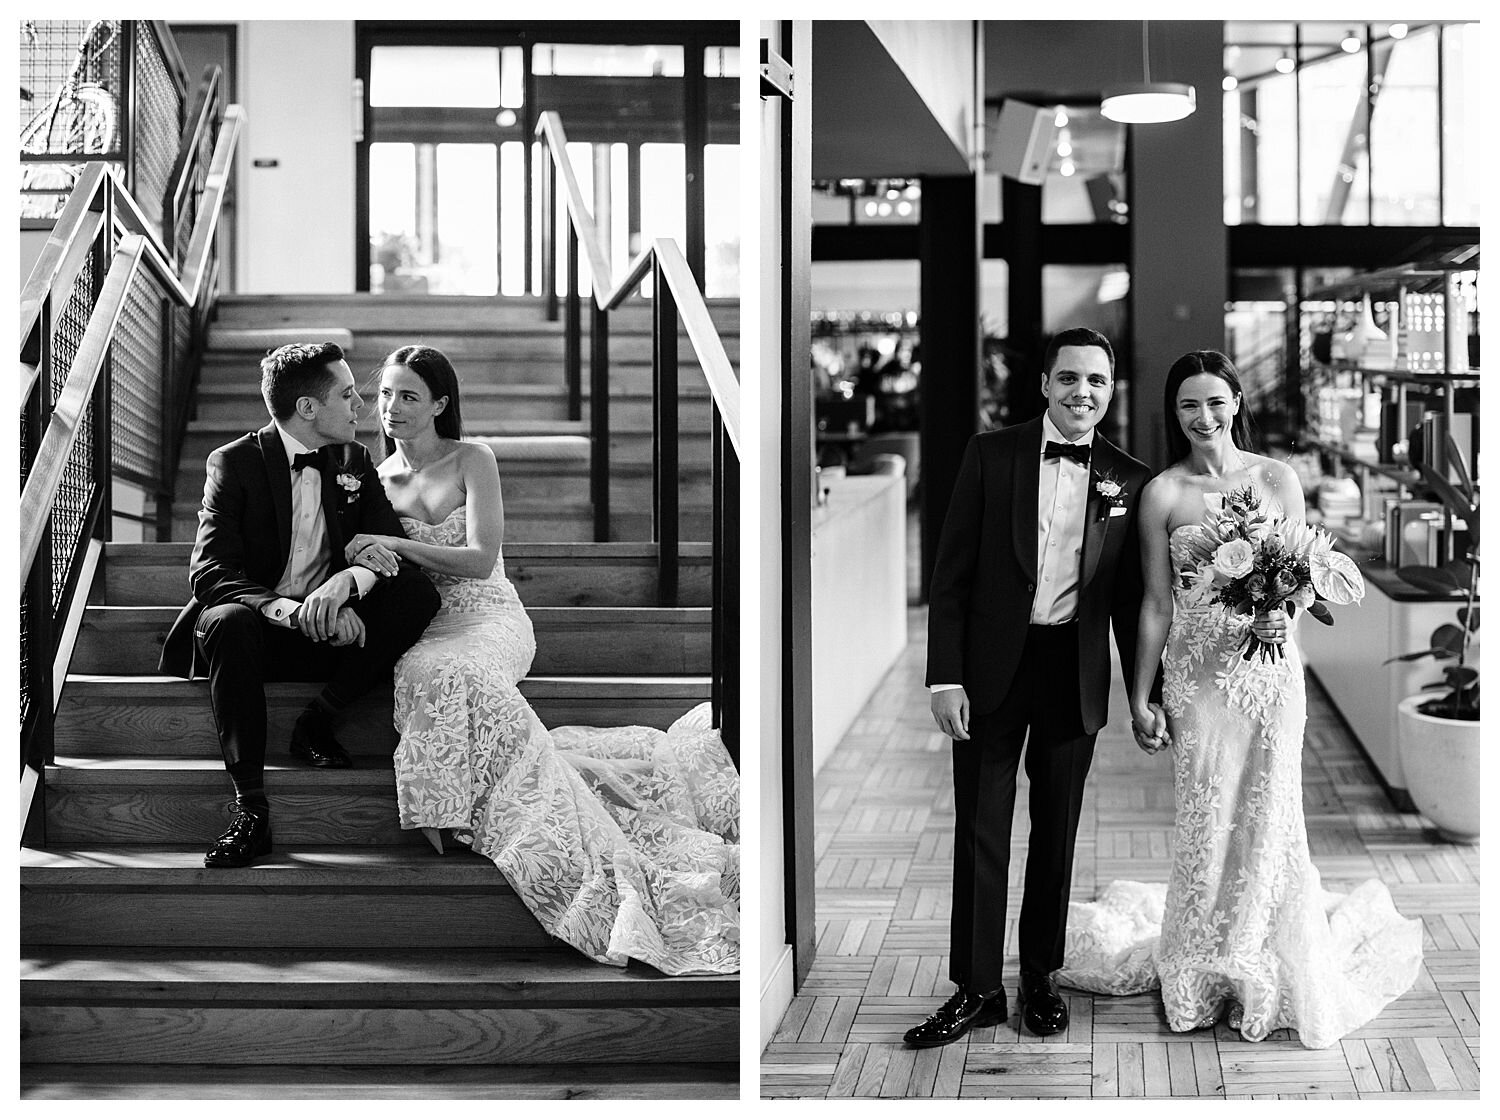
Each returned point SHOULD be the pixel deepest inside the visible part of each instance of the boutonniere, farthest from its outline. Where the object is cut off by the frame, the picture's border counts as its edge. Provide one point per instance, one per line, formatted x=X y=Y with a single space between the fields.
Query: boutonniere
x=1112 y=490
x=350 y=483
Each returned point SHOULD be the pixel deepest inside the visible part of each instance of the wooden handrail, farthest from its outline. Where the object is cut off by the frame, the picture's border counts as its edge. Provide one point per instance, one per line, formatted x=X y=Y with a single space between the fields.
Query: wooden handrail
x=73 y=401
x=608 y=295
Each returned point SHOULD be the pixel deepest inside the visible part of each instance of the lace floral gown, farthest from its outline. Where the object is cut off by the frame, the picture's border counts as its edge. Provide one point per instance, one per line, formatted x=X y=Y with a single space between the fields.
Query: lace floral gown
x=623 y=842
x=1244 y=927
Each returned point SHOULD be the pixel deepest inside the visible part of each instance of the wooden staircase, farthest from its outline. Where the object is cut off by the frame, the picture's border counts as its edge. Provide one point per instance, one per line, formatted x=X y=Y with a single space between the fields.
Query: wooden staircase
x=509 y=359
x=355 y=961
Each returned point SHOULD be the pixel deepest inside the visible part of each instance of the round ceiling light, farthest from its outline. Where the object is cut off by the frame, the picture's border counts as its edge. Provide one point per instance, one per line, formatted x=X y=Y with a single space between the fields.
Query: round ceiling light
x=1149 y=102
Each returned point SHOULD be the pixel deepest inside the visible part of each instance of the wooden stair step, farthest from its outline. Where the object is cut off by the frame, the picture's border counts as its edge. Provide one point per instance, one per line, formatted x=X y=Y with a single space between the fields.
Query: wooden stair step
x=556 y=574
x=352 y=897
x=663 y=640
x=183 y=800
x=479 y=977
x=643 y=1080
x=526 y=523
x=150 y=716
x=377 y=1036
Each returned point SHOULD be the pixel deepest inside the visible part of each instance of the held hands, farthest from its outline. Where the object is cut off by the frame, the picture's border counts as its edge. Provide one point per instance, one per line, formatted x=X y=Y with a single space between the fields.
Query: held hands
x=318 y=616
x=348 y=629
x=1270 y=626
x=373 y=551
x=950 y=708
x=1149 y=725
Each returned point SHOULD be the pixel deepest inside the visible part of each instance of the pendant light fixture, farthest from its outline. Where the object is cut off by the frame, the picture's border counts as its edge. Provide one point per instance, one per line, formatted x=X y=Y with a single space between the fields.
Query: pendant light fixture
x=1148 y=102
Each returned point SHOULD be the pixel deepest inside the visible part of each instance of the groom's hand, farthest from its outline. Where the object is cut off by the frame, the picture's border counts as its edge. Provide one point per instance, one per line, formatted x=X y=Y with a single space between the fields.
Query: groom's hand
x=318 y=615
x=950 y=708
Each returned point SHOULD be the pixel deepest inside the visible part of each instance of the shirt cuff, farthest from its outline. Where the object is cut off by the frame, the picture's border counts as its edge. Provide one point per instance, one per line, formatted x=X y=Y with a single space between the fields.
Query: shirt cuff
x=279 y=612
x=935 y=688
x=364 y=579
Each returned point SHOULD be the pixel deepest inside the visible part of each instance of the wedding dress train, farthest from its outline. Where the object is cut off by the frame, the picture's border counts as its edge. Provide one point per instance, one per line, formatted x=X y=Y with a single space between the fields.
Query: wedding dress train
x=622 y=841
x=1243 y=929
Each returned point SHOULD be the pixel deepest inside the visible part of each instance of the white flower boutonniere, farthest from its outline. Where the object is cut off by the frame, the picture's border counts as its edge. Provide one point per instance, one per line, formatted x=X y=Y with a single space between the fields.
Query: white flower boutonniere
x=350 y=484
x=1111 y=489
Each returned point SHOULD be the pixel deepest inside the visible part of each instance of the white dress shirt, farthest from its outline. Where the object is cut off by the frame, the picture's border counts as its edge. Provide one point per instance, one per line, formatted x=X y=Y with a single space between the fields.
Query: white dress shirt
x=1061 y=507
x=309 y=562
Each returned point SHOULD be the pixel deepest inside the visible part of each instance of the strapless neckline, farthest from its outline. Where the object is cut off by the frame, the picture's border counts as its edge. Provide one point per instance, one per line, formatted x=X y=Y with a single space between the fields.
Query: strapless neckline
x=434 y=524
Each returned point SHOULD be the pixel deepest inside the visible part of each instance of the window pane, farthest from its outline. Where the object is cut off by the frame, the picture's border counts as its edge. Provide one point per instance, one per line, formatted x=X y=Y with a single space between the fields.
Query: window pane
x=465 y=197
x=1335 y=154
x=1463 y=117
x=393 y=208
x=1404 y=132
x=512 y=77
x=605 y=61
x=512 y=219
x=721 y=224
x=721 y=62
x=464 y=76
x=663 y=204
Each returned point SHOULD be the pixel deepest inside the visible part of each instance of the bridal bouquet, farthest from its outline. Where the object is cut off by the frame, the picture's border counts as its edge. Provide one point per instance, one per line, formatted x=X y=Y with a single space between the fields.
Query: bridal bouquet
x=1253 y=560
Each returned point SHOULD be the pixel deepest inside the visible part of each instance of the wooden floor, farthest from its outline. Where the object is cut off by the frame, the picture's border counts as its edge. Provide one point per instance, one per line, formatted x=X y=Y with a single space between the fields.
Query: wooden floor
x=884 y=846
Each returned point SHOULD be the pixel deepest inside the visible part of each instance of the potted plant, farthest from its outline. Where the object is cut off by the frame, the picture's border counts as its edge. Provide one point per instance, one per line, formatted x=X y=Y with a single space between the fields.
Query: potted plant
x=1438 y=728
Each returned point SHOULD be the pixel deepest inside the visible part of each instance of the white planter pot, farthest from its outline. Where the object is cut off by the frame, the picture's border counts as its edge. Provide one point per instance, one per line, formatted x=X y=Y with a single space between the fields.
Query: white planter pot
x=1440 y=759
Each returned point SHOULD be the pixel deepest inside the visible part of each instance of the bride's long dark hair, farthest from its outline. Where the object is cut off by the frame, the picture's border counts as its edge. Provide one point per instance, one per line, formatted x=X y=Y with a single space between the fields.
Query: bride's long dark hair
x=1215 y=364
x=441 y=379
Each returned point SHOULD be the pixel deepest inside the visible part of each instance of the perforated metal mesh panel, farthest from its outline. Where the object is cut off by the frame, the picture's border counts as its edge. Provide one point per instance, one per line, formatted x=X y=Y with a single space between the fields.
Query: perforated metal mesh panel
x=71 y=82
x=158 y=122
x=136 y=388
x=76 y=490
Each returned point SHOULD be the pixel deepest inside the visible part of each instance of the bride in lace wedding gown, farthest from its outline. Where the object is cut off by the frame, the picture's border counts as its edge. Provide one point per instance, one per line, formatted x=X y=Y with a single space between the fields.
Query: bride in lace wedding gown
x=1243 y=930
x=623 y=842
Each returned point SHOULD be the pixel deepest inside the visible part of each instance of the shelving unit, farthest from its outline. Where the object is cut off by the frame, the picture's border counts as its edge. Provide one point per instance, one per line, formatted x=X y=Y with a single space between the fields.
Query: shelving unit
x=1430 y=313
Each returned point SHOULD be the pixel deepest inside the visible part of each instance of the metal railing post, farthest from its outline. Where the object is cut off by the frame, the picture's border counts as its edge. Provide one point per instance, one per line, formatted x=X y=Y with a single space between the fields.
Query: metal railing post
x=573 y=332
x=549 y=236
x=726 y=588
x=665 y=479
x=599 y=420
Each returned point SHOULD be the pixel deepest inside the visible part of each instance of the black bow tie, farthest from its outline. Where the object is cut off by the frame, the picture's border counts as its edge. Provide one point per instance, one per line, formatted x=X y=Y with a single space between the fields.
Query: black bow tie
x=307 y=459
x=1078 y=452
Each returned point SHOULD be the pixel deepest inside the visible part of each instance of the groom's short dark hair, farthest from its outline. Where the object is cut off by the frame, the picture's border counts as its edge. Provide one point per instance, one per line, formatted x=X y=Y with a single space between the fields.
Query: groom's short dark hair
x=1077 y=336
x=299 y=369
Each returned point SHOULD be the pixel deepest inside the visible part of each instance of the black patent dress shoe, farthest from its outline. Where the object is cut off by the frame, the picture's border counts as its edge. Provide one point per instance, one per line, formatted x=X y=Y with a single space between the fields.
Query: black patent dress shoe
x=1043 y=1010
x=314 y=744
x=246 y=840
x=964 y=1011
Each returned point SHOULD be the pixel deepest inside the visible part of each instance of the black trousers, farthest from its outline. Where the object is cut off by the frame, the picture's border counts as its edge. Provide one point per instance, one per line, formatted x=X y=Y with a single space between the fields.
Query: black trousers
x=1041 y=714
x=244 y=651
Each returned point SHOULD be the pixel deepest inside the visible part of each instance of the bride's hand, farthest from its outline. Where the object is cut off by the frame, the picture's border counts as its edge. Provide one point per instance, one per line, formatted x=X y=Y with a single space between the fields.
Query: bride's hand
x=370 y=550
x=1149 y=725
x=1270 y=626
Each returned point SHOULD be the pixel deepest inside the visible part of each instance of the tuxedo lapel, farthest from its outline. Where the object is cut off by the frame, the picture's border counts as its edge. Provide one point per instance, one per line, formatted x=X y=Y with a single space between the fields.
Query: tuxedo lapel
x=1096 y=512
x=1026 y=474
x=279 y=476
x=332 y=464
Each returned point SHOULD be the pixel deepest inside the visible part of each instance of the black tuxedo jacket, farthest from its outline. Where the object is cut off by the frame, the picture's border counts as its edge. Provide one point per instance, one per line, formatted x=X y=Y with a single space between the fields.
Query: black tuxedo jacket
x=984 y=576
x=245 y=528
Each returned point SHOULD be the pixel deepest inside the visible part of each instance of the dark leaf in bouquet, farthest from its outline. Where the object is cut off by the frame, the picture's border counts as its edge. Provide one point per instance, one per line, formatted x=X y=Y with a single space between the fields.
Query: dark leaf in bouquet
x=1469 y=616
x=1321 y=613
x=1437 y=581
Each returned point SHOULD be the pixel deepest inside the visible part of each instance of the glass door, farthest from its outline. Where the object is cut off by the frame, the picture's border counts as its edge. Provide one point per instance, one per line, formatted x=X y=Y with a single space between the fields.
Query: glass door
x=449 y=182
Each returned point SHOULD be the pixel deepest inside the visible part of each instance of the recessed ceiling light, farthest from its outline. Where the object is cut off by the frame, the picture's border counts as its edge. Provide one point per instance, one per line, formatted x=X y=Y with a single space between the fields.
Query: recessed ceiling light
x=1398 y=30
x=1231 y=83
x=1285 y=65
x=1351 y=43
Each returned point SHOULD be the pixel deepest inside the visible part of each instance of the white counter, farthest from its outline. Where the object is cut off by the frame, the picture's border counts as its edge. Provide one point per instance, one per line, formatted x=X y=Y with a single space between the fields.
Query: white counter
x=858 y=599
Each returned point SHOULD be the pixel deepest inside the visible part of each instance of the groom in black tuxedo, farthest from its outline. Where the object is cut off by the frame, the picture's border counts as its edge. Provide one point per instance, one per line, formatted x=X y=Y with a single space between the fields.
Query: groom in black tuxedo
x=1038 y=557
x=273 y=599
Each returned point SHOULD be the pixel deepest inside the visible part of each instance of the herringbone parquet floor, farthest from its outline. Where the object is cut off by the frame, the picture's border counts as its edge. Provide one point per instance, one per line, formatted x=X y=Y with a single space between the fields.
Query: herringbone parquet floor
x=884 y=842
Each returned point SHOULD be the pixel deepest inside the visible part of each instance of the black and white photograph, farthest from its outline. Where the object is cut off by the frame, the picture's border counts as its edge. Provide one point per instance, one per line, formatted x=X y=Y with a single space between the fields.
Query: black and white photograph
x=380 y=513
x=1126 y=739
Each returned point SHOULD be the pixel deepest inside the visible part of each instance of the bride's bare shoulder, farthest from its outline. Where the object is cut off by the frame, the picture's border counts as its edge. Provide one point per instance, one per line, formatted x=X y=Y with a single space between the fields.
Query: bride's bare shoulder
x=1269 y=474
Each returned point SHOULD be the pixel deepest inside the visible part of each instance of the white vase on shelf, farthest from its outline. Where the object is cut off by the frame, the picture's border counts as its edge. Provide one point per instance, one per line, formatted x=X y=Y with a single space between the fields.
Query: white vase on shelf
x=1377 y=344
